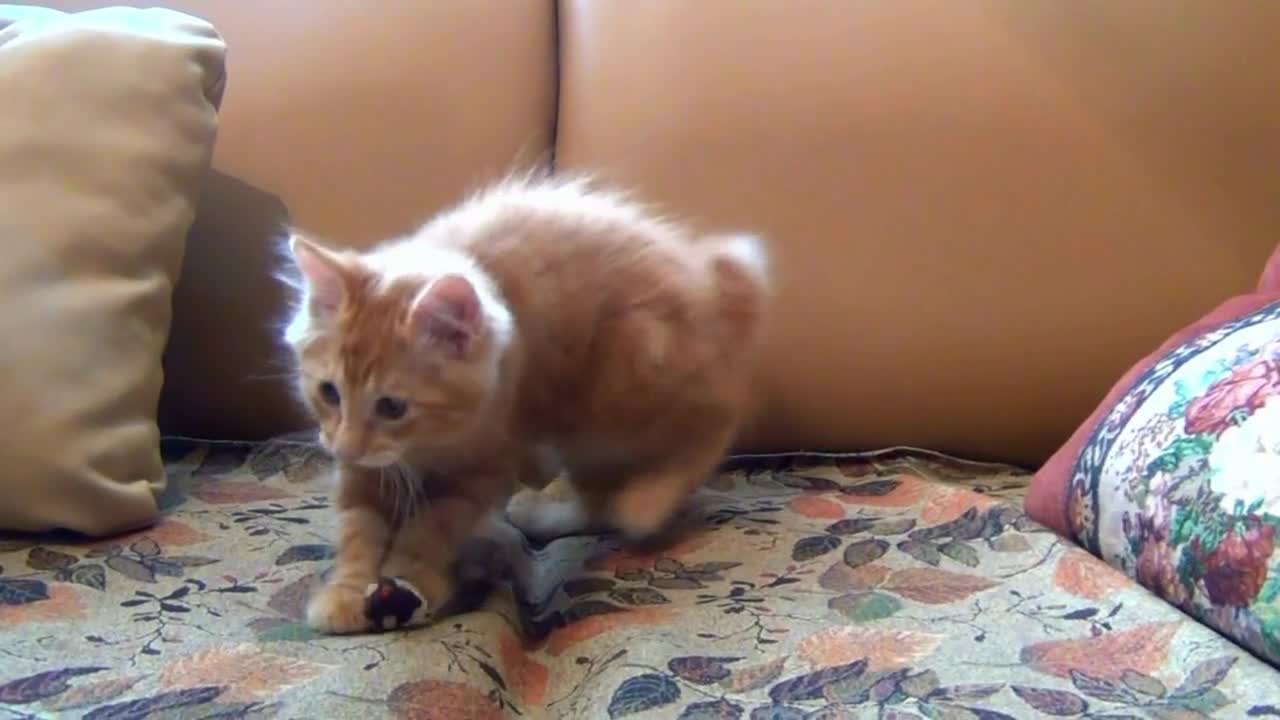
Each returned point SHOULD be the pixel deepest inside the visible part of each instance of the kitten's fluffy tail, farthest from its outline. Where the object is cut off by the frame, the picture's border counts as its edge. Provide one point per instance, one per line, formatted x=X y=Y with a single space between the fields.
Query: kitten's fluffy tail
x=739 y=264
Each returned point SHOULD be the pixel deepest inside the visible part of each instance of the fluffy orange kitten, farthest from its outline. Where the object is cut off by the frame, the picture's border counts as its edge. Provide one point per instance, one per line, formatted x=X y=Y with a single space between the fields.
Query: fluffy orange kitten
x=540 y=325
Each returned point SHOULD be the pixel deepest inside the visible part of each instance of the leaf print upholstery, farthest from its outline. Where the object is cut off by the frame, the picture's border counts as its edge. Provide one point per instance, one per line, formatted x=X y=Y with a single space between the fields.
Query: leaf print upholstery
x=890 y=585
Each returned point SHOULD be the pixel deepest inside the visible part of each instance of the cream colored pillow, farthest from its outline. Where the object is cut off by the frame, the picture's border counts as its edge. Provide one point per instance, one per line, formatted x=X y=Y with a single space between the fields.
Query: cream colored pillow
x=107 y=122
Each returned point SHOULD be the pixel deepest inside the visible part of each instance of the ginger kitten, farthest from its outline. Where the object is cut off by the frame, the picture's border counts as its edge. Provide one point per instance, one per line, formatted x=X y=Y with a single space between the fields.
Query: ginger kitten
x=540 y=325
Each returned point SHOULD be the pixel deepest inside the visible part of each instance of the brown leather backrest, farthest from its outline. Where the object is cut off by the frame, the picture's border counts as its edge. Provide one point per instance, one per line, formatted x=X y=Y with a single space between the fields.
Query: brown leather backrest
x=357 y=120
x=982 y=211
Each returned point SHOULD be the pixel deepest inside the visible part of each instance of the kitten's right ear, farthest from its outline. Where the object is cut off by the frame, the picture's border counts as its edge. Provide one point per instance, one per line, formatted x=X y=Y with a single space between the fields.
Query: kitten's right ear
x=448 y=313
x=323 y=272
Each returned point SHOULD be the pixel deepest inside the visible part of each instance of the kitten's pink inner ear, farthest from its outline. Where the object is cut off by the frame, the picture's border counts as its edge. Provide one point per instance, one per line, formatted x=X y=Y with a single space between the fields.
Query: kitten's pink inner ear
x=448 y=312
x=322 y=272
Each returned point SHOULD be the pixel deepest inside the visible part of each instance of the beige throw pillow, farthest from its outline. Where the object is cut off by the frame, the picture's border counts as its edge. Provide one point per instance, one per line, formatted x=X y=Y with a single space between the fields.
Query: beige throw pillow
x=107 y=123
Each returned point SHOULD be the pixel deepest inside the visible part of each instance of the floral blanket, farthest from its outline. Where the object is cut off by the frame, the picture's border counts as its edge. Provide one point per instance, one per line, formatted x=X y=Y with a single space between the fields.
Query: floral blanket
x=890 y=586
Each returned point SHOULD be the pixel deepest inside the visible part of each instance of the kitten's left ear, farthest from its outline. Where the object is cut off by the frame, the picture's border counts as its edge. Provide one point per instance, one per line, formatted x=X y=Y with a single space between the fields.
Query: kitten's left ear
x=323 y=272
x=447 y=312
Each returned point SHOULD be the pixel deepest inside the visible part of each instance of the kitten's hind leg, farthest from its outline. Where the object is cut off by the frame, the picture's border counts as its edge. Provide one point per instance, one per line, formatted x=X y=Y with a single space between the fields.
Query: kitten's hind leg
x=653 y=494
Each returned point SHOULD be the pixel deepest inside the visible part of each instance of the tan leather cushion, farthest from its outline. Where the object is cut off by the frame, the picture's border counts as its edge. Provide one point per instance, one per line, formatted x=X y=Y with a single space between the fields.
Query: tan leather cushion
x=983 y=211
x=106 y=128
x=358 y=119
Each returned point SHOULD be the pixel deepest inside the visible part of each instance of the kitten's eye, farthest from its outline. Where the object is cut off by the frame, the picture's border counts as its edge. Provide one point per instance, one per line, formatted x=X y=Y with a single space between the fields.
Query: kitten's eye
x=389 y=408
x=329 y=393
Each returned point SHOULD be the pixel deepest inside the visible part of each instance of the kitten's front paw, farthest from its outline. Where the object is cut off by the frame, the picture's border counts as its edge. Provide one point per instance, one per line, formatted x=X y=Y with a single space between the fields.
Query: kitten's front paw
x=338 y=610
x=393 y=603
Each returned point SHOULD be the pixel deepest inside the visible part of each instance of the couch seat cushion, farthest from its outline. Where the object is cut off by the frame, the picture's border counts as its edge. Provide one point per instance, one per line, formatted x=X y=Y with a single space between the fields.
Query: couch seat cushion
x=896 y=585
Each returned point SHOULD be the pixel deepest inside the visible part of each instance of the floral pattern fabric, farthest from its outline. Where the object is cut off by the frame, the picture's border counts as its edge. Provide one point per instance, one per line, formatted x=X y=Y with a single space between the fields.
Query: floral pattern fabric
x=894 y=586
x=1180 y=484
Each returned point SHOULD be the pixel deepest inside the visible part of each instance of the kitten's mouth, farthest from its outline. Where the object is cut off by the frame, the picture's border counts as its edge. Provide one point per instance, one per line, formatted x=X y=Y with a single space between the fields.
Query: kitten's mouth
x=377 y=461
x=374 y=461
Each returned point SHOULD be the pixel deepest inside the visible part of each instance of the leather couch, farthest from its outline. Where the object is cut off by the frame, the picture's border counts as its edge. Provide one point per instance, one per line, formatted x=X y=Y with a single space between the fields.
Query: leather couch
x=983 y=212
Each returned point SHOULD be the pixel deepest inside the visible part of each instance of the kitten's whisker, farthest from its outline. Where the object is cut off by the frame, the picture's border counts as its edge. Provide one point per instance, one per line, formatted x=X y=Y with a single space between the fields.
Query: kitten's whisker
x=382 y=490
x=263 y=377
x=397 y=493
x=412 y=487
x=406 y=486
x=404 y=509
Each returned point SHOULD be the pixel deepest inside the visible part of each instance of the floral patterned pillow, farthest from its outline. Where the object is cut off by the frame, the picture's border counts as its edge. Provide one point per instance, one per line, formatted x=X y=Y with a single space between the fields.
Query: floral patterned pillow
x=1175 y=479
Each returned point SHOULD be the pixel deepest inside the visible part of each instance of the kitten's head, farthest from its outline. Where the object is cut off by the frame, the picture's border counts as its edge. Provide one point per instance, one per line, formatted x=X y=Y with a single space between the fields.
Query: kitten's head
x=396 y=351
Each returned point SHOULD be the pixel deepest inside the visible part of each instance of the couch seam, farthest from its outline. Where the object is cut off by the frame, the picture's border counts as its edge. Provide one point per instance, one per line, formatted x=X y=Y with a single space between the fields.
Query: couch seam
x=556 y=67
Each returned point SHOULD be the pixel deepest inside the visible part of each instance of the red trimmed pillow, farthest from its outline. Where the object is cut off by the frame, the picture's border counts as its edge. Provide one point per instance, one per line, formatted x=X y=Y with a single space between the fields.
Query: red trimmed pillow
x=1047 y=498
x=1175 y=477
